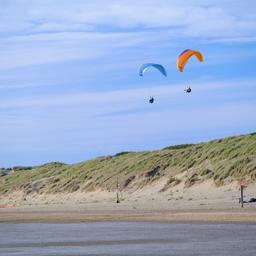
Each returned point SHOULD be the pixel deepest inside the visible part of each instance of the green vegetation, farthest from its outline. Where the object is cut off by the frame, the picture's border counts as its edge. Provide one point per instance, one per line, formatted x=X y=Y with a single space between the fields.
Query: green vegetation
x=223 y=160
x=22 y=168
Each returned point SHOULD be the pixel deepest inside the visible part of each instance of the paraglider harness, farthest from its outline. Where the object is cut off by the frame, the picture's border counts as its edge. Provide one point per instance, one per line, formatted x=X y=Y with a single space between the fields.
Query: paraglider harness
x=188 y=89
x=151 y=100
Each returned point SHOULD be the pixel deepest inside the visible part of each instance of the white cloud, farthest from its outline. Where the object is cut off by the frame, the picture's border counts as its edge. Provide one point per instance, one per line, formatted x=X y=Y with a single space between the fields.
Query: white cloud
x=48 y=48
x=191 y=17
x=40 y=32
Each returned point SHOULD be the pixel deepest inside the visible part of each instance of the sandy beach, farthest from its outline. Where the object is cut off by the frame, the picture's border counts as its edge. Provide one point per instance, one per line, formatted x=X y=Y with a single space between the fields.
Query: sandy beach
x=202 y=203
x=96 y=213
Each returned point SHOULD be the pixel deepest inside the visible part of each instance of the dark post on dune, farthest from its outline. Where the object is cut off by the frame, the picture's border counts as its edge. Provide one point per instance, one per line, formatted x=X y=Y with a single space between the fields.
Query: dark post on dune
x=117 y=194
x=241 y=196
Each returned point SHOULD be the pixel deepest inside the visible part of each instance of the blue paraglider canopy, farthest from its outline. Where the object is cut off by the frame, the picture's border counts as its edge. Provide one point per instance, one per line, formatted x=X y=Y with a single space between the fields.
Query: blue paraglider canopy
x=145 y=66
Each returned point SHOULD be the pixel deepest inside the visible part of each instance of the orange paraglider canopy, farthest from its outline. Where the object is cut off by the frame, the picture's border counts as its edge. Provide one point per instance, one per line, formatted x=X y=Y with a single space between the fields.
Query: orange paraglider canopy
x=185 y=55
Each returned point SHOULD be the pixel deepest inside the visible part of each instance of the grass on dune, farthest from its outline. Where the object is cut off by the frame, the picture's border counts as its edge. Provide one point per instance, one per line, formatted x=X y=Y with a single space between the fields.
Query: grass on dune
x=232 y=158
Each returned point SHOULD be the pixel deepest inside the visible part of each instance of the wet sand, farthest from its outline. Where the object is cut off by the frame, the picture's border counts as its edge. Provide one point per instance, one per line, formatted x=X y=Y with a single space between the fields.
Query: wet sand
x=126 y=239
x=101 y=212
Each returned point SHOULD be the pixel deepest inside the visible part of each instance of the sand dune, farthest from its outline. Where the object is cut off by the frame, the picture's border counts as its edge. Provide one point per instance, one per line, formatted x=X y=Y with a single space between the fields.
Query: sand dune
x=201 y=203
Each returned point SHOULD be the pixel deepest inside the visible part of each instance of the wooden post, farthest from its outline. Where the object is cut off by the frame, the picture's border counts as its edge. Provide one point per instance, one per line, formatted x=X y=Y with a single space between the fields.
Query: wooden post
x=242 y=196
x=117 y=190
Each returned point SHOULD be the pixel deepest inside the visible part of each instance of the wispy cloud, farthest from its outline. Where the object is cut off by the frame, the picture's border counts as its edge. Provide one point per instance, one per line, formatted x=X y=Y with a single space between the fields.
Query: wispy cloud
x=193 y=17
x=126 y=99
x=45 y=48
x=60 y=31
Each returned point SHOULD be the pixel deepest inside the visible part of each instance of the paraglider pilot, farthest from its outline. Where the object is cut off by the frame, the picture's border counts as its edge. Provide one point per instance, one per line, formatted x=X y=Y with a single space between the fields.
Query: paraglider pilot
x=188 y=89
x=151 y=100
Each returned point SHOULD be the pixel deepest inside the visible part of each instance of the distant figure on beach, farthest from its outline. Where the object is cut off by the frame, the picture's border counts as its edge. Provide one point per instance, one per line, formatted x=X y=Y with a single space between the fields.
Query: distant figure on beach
x=188 y=89
x=151 y=100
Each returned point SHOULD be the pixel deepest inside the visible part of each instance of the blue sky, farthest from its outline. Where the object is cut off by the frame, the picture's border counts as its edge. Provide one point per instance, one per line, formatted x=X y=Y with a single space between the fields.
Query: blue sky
x=69 y=87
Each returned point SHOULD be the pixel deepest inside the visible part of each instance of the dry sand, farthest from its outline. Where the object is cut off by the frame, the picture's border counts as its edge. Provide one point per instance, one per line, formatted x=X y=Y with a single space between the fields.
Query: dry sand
x=200 y=203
